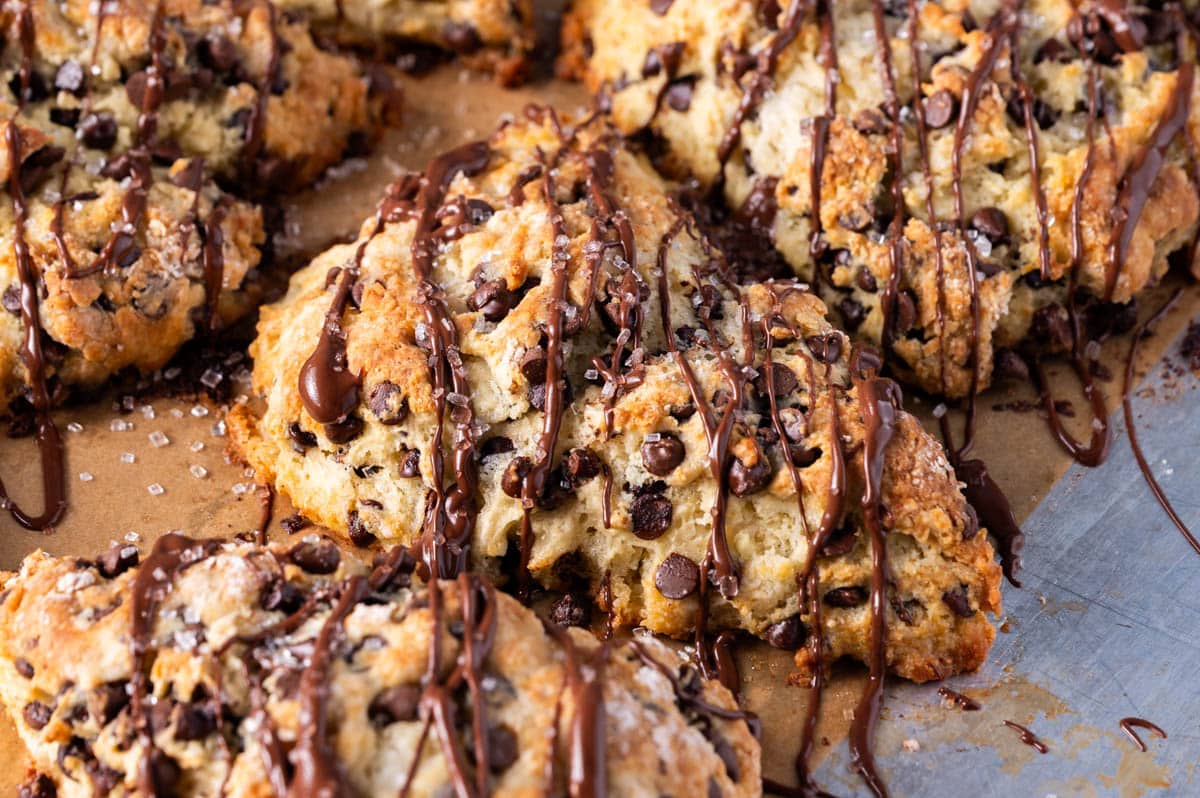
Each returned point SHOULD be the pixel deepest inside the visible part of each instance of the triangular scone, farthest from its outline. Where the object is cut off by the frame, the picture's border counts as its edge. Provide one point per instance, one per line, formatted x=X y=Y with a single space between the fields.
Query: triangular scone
x=755 y=98
x=293 y=671
x=549 y=245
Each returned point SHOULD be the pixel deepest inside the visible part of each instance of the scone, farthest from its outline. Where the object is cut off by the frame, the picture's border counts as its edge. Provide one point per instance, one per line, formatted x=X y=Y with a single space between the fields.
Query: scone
x=232 y=669
x=140 y=129
x=931 y=199
x=531 y=355
x=496 y=35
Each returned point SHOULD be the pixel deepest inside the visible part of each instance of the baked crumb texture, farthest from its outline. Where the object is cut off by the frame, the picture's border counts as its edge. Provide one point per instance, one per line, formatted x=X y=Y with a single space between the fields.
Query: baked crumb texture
x=745 y=98
x=272 y=671
x=145 y=135
x=655 y=455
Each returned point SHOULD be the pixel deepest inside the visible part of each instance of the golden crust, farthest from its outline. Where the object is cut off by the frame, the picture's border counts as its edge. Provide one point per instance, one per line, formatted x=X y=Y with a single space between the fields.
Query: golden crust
x=606 y=44
x=932 y=540
x=64 y=644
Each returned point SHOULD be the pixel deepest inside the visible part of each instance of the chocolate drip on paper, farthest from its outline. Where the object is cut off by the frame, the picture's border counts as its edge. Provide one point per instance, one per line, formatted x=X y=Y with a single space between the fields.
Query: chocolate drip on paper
x=1128 y=724
x=1027 y=736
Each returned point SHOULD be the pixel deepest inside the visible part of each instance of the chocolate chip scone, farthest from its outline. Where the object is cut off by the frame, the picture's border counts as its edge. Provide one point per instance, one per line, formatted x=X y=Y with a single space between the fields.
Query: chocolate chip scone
x=1027 y=160
x=531 y=355
x=233 y=669
x=496 y=35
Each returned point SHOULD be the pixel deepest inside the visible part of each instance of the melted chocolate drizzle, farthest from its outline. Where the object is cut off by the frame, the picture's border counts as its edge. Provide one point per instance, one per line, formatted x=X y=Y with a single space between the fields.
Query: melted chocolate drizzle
x=1127 y=725
x=1027 y=736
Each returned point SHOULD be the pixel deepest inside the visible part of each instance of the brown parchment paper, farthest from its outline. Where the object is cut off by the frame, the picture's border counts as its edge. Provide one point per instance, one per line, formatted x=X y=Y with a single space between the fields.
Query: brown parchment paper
x=203 y=492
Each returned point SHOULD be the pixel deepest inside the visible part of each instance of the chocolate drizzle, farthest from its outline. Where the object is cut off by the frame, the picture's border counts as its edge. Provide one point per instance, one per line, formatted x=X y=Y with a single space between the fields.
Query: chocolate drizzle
x=1028 y=737
x=965 y=703
x=1127 y=725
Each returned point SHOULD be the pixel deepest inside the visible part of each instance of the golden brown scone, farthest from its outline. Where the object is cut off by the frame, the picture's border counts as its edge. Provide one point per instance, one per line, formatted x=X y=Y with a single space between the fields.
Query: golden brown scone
x=496 y=35
x=354 y=451
x=266 y=671
x=682 y=70
x=142 y=128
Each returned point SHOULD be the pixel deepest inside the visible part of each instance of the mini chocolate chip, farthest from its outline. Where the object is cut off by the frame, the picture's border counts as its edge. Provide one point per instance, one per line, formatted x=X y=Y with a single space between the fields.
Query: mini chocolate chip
x=870 y=122
x=294 y=523
x=664 y=455
x=533 y=365
x=651 y=515
x=359 y=534
x=788 y=634
x=840 y=542
x=939 y=109
x=866 y=361
x=194 y=722
x=37 y=715
x=318 y=557
x=164 y=773
x=66 y=117
x=682 y=412
x=69 y=77
x=461 y=37
x=40 y=786
x=410 y=466
x=570 y=610
x=503 y=748
x=991 y=222
x=492 y=299
x=1051 y=327
x=24 y=667
x=1052 y=50
x=956 y=599
x=904 y=312
x=581 y=464
x=125 y=252
x=661 y=7
x=725 y=751
x=280 y=595
x=11 y=300
x=851 y=596
x=118 y=168
x=117 y=560
x=397 y=704
x=217 y=52
x=866 y=280
x=107 y=701
x=301 y=439
x=679 y=94
x=513 y=479
x=677 y=577
x=494 y=446
x=795 y=426
x=345 y=430
x=388 y=403
x=784 y=381
x=745 y=480
x=853 y=313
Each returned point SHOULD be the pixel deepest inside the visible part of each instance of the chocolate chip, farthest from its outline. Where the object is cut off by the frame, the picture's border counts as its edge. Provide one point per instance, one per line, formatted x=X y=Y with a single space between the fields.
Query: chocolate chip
x=570 y=610
x=679 y=94
x=388 y=403
x=280 y=595
x=788 y=634
x=939 y=109
x=217 y=52
x=840 y=542
x=866 y=280
x=410 y=466
x=795 y=426
x=503 y=748
x=725 y=751
x=24 y=667
x=904 y=312
x=40 y=786
x=956 y=599
x=581 y=464
x=853 y=313
x=783 y=380
x=397 y=704
x=294 y=523
x=1053 y=50
x=360 y=536
x=714 y=789
x=682 y=412
x=537 y=394
x=513 y=479
x=1010 y=365
x=118 y=168
x=69 y=77
x=533 y=365
x=36 y=166
x=164 y=773
x=194 y=722
x=991 y=222
x=37 y=715
x=492 y=299
x=345 y=430
x=651 y=514
x=11 y=300
x=662 y=456
x=677 y=577
x=846 y=596
x=125 y=253
x=117 y=560
x=745 y=480
x=661 y=7
x=316 y=557
x=461 y=37
x=301 y=439
x=494 y=446
x=107 y=701
x=866 y=361
x=1051 y=327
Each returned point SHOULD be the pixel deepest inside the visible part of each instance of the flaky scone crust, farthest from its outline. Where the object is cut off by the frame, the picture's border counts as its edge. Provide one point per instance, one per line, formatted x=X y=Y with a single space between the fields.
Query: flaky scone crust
x=67 y=626
x=607 y=44
x=933 y=545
